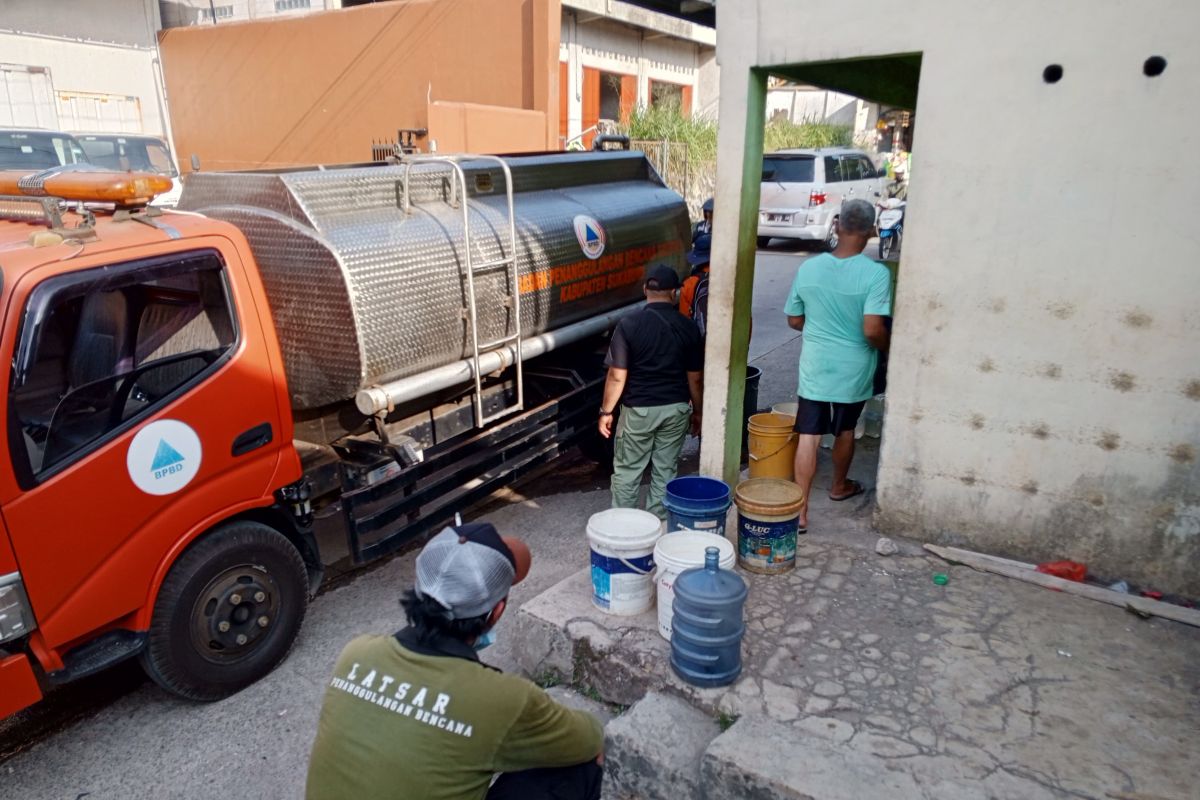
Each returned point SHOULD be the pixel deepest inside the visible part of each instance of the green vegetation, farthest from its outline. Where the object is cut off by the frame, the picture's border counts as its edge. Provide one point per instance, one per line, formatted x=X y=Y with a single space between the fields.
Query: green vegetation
x=780 y=133
x=548 y=679
x=591 y=693
x=726 y=720
x=667 y=123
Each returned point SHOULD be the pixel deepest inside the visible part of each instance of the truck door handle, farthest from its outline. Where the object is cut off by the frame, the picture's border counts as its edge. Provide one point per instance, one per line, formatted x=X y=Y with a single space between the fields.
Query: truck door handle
x=256 y=437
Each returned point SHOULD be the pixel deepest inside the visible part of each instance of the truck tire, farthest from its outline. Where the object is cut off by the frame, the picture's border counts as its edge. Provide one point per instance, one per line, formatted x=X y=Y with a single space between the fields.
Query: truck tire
x=227 y=613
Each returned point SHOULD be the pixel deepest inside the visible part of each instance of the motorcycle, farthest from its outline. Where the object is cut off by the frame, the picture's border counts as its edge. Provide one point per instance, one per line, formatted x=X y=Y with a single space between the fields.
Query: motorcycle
x=891 y=227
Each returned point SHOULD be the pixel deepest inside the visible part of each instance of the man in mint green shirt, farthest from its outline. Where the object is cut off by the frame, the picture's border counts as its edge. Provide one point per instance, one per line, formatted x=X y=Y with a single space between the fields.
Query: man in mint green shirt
x=840 y=301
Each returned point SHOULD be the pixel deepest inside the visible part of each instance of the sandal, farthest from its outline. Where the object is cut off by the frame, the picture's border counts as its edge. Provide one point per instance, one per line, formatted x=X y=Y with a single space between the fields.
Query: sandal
x=855 y=492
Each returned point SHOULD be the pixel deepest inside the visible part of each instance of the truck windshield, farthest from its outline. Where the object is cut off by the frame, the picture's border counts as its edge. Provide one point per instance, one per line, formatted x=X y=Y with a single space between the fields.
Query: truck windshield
x=38 y=150
x=129 y=153
x=788 y=169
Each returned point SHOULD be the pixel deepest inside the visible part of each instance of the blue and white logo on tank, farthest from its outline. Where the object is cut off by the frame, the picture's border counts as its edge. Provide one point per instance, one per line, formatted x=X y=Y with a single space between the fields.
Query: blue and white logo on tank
x=591 y=236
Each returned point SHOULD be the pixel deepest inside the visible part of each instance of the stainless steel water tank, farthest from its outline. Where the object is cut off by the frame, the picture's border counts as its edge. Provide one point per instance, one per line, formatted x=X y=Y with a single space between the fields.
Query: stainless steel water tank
x=363 y=291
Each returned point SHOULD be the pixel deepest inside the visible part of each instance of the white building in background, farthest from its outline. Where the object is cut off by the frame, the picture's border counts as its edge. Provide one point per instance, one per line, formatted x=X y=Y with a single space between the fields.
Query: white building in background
x=799 y=104
x=177 y=13
x=616 y=56
x=81 y=65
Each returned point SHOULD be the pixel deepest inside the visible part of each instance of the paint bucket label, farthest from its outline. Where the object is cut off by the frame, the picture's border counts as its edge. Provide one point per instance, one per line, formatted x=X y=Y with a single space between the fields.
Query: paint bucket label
x=622 y=585
x=767 y=546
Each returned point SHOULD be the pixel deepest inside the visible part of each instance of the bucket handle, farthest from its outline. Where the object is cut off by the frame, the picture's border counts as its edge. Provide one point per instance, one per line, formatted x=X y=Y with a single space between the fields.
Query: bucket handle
x=634 y=568
x=786 y=442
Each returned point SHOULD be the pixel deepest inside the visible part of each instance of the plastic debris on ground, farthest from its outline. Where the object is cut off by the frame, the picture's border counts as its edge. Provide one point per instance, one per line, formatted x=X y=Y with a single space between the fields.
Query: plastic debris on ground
x=1068 y=570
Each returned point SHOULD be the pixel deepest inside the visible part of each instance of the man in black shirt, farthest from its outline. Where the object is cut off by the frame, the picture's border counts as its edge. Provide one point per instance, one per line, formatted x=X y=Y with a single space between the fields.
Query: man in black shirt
x=654 y=370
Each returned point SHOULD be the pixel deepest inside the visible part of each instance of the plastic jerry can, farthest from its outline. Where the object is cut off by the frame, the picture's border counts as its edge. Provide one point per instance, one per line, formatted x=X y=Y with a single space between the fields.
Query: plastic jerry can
x=707 y=628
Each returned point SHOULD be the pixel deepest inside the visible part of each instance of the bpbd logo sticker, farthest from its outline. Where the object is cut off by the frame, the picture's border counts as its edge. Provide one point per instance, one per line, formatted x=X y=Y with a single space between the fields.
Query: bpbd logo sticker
x=163 y=457
x=590 y=235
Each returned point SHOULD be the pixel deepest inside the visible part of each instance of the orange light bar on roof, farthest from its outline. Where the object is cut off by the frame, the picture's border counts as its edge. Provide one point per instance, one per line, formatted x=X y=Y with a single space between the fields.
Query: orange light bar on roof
x=89 y=186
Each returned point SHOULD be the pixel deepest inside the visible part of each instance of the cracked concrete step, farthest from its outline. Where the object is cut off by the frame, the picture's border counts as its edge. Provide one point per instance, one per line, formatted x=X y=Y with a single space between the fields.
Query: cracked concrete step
x=573 y=699
x=560 y=633
x=760 y=759
x=653 y=751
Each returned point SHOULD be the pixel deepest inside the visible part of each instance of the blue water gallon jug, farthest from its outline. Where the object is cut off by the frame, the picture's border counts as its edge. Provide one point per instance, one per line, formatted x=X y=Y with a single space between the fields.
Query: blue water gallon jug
x=707 y=628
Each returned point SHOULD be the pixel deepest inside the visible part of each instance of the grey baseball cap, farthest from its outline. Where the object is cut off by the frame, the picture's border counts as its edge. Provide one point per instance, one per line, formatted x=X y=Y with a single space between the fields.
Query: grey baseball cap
x=470 y=568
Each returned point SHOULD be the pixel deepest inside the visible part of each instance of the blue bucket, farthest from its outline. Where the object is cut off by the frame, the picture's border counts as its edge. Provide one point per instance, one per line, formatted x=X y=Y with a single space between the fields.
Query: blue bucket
x=697 y=503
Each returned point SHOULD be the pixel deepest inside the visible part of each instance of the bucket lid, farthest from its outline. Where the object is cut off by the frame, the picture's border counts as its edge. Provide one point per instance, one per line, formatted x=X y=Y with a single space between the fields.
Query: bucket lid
x=624 y=528
x=769 y=420
x=685 y=549
x=769 y=496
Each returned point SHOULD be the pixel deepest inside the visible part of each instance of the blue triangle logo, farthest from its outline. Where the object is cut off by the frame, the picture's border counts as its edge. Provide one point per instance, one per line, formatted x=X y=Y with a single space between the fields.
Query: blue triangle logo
x=165 y=456
x=592 y=236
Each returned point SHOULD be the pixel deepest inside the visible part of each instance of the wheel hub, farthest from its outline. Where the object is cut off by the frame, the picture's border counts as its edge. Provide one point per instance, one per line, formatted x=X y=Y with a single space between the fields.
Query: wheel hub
x=234 y=613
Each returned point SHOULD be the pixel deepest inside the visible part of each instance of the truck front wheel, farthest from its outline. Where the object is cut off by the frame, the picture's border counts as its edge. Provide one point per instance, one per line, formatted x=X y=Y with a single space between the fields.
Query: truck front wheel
x=227 y=612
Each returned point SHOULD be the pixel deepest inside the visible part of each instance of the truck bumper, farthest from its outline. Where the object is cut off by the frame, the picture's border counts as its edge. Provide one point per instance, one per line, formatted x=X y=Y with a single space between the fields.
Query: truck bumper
x=18 y=686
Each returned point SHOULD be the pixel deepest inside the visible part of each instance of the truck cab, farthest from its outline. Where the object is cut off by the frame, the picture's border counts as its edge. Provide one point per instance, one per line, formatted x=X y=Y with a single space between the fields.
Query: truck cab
x=145 y=406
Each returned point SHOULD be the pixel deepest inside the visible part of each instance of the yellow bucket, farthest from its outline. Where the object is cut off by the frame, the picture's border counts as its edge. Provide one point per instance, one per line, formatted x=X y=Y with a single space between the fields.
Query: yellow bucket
x=772 y=446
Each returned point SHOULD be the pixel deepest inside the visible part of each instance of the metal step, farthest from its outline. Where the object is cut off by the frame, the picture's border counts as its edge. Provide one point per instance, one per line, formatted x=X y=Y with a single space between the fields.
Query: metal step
x=99 y=654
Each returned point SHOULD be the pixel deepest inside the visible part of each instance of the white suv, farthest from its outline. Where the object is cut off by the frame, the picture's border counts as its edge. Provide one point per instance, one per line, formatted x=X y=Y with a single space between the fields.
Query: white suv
x=803 y=190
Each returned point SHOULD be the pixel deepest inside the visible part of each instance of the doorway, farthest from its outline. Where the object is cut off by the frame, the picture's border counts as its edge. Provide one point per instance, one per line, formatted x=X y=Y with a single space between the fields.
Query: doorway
x=856 y=169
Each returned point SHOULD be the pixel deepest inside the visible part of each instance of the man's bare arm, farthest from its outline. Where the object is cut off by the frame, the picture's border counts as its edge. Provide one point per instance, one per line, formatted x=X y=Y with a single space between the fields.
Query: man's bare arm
x=878 y=336
x=614 y=387
x=796 y=323
x=696 y=389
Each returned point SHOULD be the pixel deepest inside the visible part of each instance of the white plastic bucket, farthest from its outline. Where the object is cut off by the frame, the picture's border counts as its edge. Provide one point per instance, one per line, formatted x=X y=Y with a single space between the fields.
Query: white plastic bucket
x=675 y=553
x=622 y=543
x=786 y=409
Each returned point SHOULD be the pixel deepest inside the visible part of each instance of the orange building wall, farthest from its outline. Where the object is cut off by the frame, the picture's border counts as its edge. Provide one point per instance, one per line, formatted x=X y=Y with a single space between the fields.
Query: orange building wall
x=319 y=88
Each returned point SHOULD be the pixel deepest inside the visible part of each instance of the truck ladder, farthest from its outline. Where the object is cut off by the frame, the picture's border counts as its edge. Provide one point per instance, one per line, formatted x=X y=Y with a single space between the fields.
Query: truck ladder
x=507 y=262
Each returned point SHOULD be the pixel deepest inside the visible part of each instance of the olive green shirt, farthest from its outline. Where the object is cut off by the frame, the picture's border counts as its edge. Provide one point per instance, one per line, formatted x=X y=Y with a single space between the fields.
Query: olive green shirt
x=429 y=722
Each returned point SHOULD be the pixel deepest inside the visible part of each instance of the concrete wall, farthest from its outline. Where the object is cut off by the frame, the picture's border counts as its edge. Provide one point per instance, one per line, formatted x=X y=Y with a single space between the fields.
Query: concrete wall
x=318 y=88
x=474 y=128
x=89 y=47
x=1044 y=387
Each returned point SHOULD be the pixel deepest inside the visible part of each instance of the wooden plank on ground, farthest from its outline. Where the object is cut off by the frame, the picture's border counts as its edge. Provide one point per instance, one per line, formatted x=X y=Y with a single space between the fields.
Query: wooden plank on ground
x=1027 y=573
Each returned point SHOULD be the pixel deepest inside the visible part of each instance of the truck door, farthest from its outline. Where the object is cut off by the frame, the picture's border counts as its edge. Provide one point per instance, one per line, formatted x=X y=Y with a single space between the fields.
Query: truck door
x=134 y=389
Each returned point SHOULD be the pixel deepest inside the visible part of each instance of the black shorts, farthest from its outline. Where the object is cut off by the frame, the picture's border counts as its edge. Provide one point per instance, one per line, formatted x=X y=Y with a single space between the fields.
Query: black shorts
x=818 y=417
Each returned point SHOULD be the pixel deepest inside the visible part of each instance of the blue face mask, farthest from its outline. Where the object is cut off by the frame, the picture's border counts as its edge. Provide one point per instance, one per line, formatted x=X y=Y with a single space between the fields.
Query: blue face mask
x=486 y=639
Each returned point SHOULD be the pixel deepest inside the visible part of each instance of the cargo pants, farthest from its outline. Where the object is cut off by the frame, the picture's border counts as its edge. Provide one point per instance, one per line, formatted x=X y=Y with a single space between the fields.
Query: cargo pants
x=650 y=435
